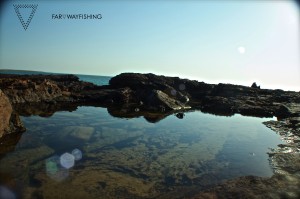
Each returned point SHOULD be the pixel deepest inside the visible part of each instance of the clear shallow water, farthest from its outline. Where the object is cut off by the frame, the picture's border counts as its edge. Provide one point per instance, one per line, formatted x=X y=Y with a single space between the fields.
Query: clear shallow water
x=127 y=158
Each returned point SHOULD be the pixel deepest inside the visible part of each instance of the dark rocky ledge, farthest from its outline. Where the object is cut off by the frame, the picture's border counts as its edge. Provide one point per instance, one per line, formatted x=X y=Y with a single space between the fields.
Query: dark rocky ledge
x=152 y=93
x=155 y=97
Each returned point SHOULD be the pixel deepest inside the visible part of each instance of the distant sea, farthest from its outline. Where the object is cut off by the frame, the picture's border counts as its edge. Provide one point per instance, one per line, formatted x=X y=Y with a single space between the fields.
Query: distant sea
x=98 y=80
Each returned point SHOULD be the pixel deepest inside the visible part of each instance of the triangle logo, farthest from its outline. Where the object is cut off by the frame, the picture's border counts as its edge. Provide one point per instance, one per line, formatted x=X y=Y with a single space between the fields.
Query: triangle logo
x=31 y=7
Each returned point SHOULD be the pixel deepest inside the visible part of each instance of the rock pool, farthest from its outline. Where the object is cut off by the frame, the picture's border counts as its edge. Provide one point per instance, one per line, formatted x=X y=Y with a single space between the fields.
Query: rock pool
x=88 y=153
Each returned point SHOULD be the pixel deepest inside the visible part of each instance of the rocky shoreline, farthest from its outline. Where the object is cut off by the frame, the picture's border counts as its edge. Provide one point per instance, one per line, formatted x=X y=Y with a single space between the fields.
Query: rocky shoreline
x=155 y=97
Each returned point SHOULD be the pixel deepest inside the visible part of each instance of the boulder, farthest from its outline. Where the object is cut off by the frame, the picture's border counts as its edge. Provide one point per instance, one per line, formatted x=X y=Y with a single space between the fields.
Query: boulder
x=161 y=101
x=254 y=85
x=282 y=111
x=9 y=120
x=5 y=114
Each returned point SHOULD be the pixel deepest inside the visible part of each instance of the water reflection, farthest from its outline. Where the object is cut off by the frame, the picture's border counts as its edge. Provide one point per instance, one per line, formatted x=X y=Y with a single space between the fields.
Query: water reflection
x=48 y=109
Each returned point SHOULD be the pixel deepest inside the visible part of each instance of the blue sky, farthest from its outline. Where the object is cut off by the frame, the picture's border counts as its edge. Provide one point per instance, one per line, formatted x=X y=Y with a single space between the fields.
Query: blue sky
x=212 y=41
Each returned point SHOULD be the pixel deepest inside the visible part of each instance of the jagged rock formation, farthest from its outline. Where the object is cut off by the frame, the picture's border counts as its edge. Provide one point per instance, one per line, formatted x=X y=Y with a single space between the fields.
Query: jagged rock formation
x=42 y=88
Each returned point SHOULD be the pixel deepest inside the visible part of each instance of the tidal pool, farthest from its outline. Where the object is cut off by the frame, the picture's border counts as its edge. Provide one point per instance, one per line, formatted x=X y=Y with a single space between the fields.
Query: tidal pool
x=90 y=154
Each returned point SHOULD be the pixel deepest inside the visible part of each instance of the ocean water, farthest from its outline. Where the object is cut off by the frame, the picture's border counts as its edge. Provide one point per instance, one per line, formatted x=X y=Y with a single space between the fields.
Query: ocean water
x=98 y=80
x=88 y=153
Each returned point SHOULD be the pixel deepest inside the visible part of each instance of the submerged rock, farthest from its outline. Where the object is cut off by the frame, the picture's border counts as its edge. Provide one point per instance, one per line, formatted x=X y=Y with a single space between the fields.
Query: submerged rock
x=254 y=187
x=78 y=132
x=81 y=132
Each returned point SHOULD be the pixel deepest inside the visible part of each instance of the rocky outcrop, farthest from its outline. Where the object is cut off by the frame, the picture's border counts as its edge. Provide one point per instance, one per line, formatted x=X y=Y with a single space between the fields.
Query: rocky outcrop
x=149 y=92
x=158 y=93
x=11 y=126
x=67 y=88
x=43 y=88
x=223 y=99
x=9 y=120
